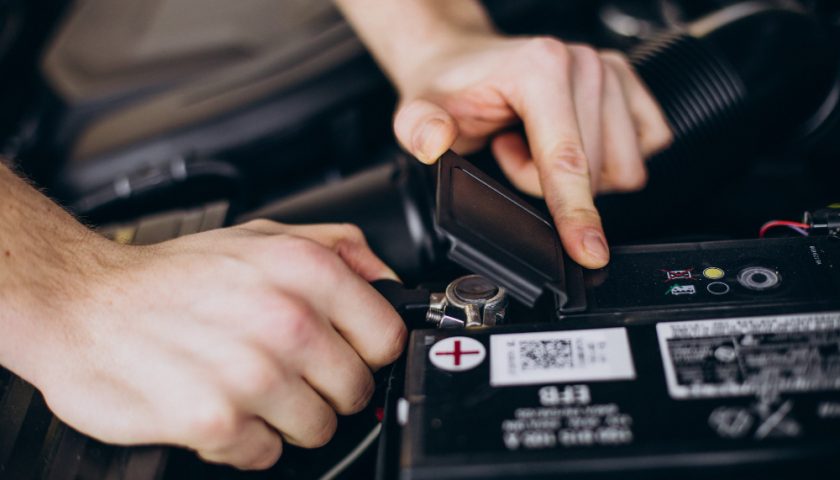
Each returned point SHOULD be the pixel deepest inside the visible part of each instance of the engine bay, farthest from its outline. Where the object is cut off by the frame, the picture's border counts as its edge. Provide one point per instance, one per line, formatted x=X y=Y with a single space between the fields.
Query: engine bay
x=699 y=350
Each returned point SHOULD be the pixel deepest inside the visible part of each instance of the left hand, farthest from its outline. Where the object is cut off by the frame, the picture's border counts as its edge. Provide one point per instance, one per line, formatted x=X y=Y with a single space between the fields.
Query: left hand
x=589 y=122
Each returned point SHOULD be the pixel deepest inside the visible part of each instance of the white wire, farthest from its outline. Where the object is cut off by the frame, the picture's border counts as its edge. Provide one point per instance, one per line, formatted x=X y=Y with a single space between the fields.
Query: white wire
x=354 y=454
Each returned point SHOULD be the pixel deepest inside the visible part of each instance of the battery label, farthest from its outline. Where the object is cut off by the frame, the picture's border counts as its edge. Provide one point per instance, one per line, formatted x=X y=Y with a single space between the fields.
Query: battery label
x=751 y=356
x=560 y=357
x=572 y=426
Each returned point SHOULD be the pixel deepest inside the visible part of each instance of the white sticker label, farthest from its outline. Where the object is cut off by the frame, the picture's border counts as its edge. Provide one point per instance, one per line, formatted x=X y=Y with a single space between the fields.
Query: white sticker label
x=560 y=357
x=751 y=355
x=456 y=354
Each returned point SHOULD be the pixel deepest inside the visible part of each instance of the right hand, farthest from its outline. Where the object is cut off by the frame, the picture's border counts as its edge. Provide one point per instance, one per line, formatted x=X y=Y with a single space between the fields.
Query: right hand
x=228 y=342
x=589 y=123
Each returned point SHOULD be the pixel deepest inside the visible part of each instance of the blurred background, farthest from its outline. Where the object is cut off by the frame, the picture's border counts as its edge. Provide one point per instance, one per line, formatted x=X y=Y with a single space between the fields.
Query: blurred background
x=154 y=118
x=119 y=109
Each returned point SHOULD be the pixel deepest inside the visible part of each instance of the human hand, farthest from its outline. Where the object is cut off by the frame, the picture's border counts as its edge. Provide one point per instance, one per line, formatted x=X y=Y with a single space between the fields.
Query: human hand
x=589 y=123
x=228 y=342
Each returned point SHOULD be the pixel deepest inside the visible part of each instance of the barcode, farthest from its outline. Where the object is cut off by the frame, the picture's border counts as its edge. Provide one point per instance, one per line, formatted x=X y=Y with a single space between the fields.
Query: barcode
x=560 y=356
x=545 y=354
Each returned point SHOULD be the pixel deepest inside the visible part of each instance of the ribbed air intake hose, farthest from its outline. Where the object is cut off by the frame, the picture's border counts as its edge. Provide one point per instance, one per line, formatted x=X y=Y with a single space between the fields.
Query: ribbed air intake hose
x=747 y=82
x=747 y=78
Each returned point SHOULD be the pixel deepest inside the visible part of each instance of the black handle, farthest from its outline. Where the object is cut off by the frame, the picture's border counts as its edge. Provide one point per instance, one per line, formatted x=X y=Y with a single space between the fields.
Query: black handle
x=403 y=299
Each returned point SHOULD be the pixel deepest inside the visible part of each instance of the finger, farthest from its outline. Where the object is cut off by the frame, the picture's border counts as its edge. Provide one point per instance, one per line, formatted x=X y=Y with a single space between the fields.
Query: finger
x=545 y=102
x=624 y=167
x=515 y=160
x=301 y=416
x=425 y=130
x=338 y=374
x=256 y=446
x=347 y=240
x=310 y=346
x=358 y=312
x=651 y=126
x=588 y=82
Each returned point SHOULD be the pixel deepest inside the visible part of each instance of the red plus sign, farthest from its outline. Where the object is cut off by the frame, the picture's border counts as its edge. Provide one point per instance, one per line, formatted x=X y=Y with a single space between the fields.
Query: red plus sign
x=458 y=352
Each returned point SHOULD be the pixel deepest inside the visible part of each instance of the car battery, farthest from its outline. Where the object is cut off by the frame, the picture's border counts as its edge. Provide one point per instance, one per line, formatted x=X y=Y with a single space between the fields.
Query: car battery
x=675 y=361
x=685 y=399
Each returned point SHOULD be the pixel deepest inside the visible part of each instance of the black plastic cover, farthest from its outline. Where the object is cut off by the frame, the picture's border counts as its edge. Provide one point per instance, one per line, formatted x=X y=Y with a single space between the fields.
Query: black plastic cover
x=494 y=233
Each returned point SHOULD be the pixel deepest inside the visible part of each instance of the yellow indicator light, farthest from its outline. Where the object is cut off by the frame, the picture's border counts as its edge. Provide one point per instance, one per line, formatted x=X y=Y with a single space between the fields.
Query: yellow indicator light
x=713 y=273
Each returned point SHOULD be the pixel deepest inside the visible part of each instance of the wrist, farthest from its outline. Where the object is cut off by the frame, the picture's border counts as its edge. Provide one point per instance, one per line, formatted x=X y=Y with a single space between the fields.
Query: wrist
x=48 y=304
x=412 y=71
x=409 y=36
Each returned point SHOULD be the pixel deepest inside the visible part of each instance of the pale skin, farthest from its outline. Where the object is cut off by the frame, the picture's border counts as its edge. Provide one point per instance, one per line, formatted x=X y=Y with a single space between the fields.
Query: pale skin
x=229 y=342
x=589 y=122
x=236 y=341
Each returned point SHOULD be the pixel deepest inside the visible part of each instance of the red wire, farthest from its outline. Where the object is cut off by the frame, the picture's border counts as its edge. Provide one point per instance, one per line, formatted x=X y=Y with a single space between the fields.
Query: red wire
x=780 y=223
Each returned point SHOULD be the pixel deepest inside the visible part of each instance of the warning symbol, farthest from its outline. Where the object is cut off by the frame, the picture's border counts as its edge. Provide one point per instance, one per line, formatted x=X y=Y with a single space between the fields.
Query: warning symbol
x=731 y=422
x=769 y=420
x=671 y=275
x=677 y=289
x=456 y=354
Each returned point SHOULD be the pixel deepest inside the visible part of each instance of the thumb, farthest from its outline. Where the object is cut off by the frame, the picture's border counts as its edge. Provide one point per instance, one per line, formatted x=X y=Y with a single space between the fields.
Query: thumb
x=425 y=129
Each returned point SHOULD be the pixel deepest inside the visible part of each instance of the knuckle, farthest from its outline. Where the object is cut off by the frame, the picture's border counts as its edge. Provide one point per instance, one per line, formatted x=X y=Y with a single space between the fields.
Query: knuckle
x=269 y=456
x=351 y=238
x=578 y=216
x=548 y=52
x=323 y=431
x=612 y=80
x=392 y=342
x=662 y=138
x=298 y=246
x=352 y=232
x=568 y=157
x=615 y=57
x=590 y=64
x=236 y=267
x=586 y=55
x=257 y=377
x=215 y=424
x=297 y=330
x=627 y=183
x=634 y=181
x=264 y=303
x=362 y=393
x=267 y=248
x=309 y=256
x=655 y=139
x=626 y=174
x=260 y=224
x=309 y=251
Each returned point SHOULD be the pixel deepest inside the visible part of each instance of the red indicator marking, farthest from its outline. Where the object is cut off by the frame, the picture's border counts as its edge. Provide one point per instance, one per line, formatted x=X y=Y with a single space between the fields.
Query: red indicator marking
x=671 y=275
x=457 y=353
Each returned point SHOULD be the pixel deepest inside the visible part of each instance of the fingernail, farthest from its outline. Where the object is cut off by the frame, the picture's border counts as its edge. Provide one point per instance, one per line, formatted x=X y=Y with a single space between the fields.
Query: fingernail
x=425 y=141
x=596 y=246
x=391 y=275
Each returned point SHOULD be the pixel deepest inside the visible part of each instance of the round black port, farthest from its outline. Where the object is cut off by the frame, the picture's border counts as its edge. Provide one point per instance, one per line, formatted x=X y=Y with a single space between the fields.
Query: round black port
x=718 y=288
x=758 y=278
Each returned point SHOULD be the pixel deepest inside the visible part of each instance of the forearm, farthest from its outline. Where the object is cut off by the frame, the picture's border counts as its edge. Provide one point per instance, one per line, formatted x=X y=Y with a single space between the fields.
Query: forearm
x=405 y=34
x=45 y=260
